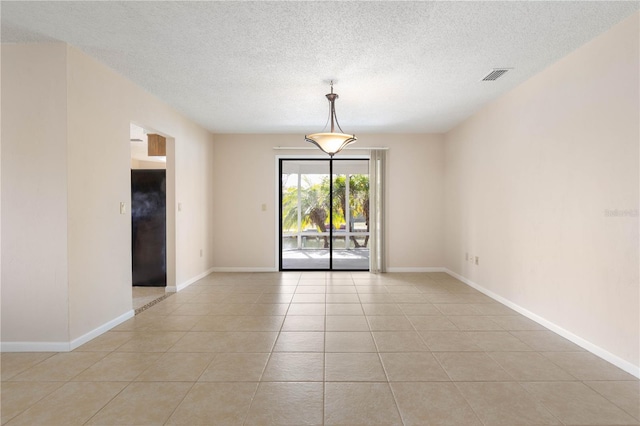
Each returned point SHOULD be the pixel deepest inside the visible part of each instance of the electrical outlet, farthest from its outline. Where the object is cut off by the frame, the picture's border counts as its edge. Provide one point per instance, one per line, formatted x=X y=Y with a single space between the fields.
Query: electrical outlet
x=477 y=260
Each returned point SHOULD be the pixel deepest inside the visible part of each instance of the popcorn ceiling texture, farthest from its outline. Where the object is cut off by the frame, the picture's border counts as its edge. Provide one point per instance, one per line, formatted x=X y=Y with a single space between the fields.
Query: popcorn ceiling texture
x=263 y=67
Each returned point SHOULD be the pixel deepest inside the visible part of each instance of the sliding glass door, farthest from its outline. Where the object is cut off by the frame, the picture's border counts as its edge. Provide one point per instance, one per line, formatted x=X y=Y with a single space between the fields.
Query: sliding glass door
x=324 y=214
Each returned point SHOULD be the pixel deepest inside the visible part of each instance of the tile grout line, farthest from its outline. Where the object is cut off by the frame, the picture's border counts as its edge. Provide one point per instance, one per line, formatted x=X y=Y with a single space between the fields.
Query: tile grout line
x=181 y=400
x=475 y=413
x=605 y=397
x=324 y=355
x=37 y=401
x=107 y=403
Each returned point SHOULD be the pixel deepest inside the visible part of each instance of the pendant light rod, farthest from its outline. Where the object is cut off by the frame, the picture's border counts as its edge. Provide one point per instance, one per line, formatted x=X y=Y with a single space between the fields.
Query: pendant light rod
x=332 y=110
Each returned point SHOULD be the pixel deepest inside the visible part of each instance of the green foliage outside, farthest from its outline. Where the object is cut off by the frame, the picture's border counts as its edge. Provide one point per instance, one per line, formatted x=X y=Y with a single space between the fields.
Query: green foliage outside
x=315 y=205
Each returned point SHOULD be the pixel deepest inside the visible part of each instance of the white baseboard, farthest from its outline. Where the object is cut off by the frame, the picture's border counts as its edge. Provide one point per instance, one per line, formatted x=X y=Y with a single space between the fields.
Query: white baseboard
x=99 y=330
x=181 y=286
x=594 y=349
x=417 y=269
x=64 y=346
x=244 y=269
x=34 y=347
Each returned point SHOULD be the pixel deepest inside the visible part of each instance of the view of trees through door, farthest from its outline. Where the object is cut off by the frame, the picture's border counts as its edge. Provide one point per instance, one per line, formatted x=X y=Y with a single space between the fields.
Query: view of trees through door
x=324 y=214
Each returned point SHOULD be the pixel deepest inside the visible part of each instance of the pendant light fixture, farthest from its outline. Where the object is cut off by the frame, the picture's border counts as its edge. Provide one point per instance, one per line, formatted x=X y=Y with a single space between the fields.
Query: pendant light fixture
x=332 y=142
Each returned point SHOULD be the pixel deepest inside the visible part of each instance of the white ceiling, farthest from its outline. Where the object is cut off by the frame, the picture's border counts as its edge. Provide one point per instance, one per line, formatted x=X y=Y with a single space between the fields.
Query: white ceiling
x=249 y=67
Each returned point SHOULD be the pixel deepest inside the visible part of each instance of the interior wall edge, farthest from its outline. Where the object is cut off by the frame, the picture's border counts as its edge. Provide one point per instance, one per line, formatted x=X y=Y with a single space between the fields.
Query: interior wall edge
x=583 y=343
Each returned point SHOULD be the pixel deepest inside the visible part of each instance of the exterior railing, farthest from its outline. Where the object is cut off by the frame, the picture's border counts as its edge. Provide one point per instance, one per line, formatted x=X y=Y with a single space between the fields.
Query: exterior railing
x=313 y=240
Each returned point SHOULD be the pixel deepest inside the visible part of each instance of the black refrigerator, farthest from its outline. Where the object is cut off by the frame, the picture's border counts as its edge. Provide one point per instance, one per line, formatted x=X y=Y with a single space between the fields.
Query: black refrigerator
x=149 y=227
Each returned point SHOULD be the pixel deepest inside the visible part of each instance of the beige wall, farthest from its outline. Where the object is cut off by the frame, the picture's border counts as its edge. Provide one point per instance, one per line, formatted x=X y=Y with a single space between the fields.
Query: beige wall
x=414 y=201
x=245 y=177
x=34 y=193
x=101 y=106
x=82 y=242
x=529 y=180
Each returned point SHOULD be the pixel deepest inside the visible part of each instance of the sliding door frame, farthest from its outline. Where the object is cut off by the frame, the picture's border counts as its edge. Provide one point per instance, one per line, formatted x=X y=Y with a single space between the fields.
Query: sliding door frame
x=279 y=161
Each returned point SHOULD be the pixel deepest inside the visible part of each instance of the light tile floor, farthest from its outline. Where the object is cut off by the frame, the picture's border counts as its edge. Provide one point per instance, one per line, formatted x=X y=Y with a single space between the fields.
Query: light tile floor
x=321 y=348
x=145 y=295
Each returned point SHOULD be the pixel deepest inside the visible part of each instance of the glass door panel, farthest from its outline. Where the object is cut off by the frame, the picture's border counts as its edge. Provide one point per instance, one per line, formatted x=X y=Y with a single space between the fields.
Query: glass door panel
x=350 y=248
x=304 y=215
x=324 y=223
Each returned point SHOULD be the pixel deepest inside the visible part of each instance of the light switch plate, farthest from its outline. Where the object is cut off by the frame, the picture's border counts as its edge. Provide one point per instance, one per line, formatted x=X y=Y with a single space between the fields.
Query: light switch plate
x=123 y=208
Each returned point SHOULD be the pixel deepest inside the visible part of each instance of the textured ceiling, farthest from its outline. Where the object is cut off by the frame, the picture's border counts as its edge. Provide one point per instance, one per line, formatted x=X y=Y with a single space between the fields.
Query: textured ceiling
x=247 y=67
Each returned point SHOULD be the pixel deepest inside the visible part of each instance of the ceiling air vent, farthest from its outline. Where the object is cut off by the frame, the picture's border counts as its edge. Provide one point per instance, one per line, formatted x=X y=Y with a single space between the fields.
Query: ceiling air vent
x=495 y=74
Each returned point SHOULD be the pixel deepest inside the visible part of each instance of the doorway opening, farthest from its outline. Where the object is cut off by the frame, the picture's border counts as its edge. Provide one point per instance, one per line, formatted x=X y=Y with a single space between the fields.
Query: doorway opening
x=148 y=220
x=324 y=214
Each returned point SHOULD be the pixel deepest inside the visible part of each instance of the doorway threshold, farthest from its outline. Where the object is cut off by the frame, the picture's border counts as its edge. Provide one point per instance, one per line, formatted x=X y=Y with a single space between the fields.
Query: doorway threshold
x=146 y=297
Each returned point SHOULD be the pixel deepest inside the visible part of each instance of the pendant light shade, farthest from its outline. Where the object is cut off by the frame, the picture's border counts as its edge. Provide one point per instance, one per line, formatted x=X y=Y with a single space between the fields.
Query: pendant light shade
x=331 y=142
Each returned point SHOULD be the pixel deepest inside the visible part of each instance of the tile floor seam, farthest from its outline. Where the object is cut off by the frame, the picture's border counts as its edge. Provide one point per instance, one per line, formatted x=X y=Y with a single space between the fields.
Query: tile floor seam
x=475 y=413
x=424 y=340
x=384 y=368
x=180 y=402
x=215 y=356
x=28 y=368
x=552 y=363
x=253 y=396
x=513 y=378
x=541 y=402
x=442 y=367
x=106 y=403
x=395 y=400
x=37 y=401
x=324 y=358
x=586 y=383
x=542 y=353
x=70 y=379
